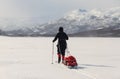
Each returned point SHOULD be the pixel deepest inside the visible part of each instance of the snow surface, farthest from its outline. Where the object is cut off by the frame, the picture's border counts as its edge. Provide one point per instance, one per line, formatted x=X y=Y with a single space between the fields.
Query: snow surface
x=30 y=58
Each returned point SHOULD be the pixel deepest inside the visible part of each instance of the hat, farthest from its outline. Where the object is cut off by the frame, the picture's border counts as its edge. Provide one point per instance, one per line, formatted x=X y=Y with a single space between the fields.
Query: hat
x=60 y=29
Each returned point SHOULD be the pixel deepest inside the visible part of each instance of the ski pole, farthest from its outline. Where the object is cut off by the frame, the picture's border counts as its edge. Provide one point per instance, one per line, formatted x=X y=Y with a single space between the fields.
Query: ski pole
x=52 y=52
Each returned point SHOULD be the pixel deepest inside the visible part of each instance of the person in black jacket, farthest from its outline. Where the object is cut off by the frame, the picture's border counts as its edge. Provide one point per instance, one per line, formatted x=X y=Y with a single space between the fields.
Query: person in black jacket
x=62 y=44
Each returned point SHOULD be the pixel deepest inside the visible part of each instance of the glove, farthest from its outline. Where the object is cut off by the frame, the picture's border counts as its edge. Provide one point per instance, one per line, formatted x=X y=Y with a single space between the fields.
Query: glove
x=53 y=41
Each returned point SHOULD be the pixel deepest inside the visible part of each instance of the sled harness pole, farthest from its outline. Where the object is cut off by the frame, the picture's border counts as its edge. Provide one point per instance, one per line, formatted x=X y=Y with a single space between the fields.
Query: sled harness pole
x=67 y=51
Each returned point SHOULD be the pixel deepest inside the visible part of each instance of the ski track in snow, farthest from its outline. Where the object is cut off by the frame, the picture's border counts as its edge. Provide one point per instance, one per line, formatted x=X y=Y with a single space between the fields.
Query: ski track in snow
x=89 y=75
x=77 y=71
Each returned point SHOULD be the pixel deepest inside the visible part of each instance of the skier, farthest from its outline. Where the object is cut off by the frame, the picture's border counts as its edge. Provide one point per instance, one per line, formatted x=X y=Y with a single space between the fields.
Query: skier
x=62 y=44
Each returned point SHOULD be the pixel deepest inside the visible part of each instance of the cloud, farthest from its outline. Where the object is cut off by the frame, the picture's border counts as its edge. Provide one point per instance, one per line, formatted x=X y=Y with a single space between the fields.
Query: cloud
x=49 y=8
x=8 y=9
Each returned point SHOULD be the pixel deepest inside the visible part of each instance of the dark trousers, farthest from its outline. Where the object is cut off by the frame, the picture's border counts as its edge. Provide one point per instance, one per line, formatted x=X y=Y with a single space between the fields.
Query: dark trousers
x=61 y=51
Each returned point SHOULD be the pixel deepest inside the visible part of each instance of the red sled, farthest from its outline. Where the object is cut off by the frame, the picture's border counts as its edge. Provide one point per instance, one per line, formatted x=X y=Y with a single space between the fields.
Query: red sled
x=70 y=61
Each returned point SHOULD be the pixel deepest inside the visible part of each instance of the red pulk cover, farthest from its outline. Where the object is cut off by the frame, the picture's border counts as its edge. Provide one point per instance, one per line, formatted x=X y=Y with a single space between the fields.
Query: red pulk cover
x=70 y=61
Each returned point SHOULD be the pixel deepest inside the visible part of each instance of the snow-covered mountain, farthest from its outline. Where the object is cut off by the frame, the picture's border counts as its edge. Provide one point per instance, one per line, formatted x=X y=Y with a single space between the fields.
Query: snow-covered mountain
x=79 y=22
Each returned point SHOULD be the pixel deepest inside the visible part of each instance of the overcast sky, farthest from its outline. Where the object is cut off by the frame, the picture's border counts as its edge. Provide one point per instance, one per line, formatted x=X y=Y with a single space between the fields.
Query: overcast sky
x=50 y=8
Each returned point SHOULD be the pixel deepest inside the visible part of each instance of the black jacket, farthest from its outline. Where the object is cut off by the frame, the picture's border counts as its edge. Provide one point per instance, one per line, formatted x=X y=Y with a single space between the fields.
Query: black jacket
x=62 y=37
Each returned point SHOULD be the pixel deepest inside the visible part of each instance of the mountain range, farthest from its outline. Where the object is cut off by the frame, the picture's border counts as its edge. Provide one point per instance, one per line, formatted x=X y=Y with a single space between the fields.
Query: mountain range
x=80 y=22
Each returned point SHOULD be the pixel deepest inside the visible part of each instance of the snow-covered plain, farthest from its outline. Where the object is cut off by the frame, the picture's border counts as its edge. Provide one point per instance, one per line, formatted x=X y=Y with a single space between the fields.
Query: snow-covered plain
x=30 y=58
